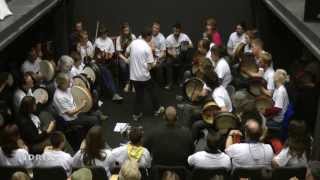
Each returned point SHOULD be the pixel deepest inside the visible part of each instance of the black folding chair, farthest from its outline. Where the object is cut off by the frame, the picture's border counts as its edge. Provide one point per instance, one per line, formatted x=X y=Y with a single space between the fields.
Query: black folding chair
x=49 y=173
x=209 y=173
x=251 y=173
x=285 y=173
x=98 y=173
x=181 y=171
x=6 y=172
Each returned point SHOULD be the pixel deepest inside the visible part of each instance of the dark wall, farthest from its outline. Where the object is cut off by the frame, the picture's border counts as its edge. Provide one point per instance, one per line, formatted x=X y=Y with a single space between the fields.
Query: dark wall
x=142 y=12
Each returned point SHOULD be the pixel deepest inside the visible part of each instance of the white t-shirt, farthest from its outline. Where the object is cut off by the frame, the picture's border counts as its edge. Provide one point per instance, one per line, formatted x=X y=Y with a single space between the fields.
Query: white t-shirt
x=223 y=71
x=75 y=71
x=268 y=76
x=52 y=158
x=78 y=160
x=20 y=157
x=204 y=159
x=86 y=51
x=172 y=42
x=140 y=56
x=118 y=43
x=28 y=66
x=208 y=55
x=19 y=94
x=120 y=155
x=64 y=102
x=105 y=45
x=159 y=41
x=221 y=97
x=234 y=40
x=285 y=159
x=281 y=100
x=250 y=155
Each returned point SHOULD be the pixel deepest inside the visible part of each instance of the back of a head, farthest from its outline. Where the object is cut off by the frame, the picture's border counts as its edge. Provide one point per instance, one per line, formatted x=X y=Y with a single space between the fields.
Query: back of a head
x=82 y=174
x=57 y=138
x=135 y=135
x=9 y=139
x=170 y=175
x=253 y=130
x=130 y=171
x=95 y=142
x=214 y=141
x=171 y=115
x=147 y=32
x=298 y=141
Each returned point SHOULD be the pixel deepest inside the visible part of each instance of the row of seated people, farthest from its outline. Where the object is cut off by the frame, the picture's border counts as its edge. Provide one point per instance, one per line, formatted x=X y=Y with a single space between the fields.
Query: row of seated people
x=176 y=148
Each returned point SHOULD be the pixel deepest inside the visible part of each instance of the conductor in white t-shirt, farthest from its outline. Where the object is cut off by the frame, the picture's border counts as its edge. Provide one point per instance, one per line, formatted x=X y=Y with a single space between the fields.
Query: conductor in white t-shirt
x=141 y=61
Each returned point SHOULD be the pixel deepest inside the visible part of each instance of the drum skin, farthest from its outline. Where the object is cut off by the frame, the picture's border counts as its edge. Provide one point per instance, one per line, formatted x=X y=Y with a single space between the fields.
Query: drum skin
x=248 y=65
x=82 y=81
x=225 y=121
x=81 y=94
x=92 y=71
x=41 y=95
x=192 y=89
x=263 y=103
x=255 y=85
x=47 y=69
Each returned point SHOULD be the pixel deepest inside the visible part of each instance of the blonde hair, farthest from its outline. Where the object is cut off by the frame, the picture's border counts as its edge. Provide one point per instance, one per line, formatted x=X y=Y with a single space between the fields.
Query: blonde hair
x=130 y=171
x=265 y=57
x=20 y=176
x=61 y=78
x=65 y=63
x=282 y=76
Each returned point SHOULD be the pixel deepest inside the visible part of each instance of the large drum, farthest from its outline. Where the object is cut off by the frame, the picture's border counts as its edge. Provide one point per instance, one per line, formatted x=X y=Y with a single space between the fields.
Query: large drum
x=263 y=103
x=41 y=95
x=248 y=65
x=47 y=69
x=192 y=89
x=255 y=85
x=82 y=81
x=225 y=121
x=81 y=94
x=92 y=71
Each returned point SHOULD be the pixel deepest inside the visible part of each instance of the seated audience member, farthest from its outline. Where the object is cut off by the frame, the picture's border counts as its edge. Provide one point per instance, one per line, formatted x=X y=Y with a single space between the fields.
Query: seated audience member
x=74 y=37
x=13 y=152
x=133 y=150
x=93 y=151
x=280 y=98
x=256 y=48
x=65 y=65
x=212 y=156
x=31 y=127
x=129 y=171
x=313 y=170
x=170 y=144
x=64 y=103
x=296 y=147
x=170 y=175
x=236 y=38
x=25 y=88
x=54 y=154
x=85 y=47
x=77 y=67
x=212 y=33
x=222 y=67
x=32 y=65
x=250 y=153
x=20 y=176
x=203 y=48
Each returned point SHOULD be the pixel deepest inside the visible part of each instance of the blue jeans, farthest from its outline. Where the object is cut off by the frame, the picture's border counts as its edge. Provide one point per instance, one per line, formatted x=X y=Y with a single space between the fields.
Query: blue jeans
x=107 y=79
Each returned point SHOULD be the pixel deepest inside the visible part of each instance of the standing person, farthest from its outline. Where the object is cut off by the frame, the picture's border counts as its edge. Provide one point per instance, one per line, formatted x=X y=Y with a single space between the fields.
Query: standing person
x=176 y=42
x=222 y=67
x=122 y=42
x=212 y=32
x=141 y=61
x=236 y=38
x=75 y=36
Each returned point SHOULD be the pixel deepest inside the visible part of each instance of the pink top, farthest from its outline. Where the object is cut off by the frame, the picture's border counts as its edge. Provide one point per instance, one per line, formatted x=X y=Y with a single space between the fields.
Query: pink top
x=216 y=38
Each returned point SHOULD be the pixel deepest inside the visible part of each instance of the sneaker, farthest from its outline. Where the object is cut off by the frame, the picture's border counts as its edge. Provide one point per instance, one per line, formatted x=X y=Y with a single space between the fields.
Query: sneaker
x=159 y=111
x=167 y=87
x=180 y=106
x=126 y=88
x=133 y=89
x=117 y=97
x=179 y=98
x=137 y=117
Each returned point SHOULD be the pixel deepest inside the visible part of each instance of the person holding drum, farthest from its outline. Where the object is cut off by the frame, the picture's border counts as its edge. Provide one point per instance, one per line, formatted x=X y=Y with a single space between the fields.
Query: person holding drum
x=141 y=62
x=122 y=42
x=76 y=69
x=85 y=47
x=75 y=36
x=257 y=48
x=104 y=44
x=32 y=64
x=66 y=108
x=178 y=43
x=222 y=67
x=25 y=88
x=280 y=98
x=236 y=38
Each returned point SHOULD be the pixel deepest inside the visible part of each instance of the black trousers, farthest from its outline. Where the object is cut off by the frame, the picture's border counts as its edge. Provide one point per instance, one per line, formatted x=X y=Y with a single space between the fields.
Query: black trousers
x=141 y=87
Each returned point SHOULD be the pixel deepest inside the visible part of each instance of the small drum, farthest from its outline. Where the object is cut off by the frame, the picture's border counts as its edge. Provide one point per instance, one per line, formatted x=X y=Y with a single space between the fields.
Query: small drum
x=81 y=94
x=248 y=64
x=41 y=95
x=255 y=85
x=263 y=103
x=47 y=69
x=92 y=71
x=82 y=81
x=225 y=121
x=192 y=89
